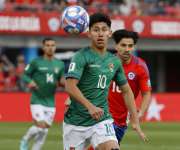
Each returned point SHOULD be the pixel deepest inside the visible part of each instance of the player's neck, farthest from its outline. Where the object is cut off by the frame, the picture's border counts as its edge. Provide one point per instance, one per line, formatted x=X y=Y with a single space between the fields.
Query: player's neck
x=127 y=61
x=48 y=57
x=98 y=50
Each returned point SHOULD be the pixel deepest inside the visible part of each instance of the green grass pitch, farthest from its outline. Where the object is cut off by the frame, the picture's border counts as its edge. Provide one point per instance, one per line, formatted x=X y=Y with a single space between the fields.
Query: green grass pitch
x=163 y=136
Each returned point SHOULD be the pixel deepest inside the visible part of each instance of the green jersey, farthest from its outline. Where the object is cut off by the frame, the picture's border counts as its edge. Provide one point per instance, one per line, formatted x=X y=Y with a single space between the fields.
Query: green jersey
x=94 y=73
x=46 y=74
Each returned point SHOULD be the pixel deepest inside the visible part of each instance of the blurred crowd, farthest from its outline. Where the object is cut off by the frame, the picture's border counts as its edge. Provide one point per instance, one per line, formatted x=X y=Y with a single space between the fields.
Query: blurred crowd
x=10 y=74
x=112 y=7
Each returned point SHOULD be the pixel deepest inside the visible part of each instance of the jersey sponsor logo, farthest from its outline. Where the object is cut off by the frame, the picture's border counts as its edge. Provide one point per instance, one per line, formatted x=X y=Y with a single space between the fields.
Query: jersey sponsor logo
x=111 y=67
x=43 y=68
x=94 y=66
x=131 y=75
x=72 y=66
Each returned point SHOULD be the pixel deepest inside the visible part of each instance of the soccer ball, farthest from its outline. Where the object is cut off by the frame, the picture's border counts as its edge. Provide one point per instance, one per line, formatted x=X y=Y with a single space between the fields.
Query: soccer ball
x=75 y=20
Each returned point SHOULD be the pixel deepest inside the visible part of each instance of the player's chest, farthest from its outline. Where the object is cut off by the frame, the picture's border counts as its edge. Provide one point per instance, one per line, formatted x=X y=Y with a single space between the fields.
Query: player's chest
x=131 y=73
x=50 y=68
x=101 y=67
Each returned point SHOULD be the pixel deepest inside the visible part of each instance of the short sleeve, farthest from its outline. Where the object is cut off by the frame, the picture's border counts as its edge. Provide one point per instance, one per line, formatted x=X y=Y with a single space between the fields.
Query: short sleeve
x=28 y=72
x=76 y=66
x=144 y=79
x=120 y=77
x=29 y=69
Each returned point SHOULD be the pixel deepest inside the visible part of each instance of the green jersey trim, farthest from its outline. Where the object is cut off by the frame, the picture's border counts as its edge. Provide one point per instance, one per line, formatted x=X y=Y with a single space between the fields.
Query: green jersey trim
x=73 y=75
x=123 y=82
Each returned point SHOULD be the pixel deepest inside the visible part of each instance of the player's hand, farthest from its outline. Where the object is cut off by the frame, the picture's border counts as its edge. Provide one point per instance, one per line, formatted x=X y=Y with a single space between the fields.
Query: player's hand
x=141 y=134
x=95 y=112
x=32 y=85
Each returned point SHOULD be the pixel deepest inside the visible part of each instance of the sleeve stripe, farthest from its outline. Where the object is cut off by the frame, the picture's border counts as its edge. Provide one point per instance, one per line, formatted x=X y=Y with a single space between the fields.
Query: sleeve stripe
x=72 y=76
x=123 y=82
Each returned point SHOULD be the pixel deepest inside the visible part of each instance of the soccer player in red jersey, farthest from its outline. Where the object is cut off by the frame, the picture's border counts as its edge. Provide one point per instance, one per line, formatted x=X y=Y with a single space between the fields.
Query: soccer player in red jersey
x=137 y=74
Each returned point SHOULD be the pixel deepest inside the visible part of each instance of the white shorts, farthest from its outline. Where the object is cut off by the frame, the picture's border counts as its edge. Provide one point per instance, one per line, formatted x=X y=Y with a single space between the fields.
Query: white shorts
x=43 y=113
x=79 y=137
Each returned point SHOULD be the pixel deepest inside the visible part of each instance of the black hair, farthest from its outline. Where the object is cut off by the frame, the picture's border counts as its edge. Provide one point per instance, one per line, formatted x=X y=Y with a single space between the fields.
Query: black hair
x=120 y=34
x=47 y=39
x=99 y=17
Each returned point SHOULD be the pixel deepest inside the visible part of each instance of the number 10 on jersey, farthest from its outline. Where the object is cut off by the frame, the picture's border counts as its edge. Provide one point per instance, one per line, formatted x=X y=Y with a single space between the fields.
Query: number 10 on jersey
x=102 y=81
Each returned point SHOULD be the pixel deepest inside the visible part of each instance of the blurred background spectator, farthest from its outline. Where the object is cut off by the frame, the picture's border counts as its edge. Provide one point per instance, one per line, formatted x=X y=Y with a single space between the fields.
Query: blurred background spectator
x=20 y=66
x=7 y=75
x=2 y=5
x=1 y=75
x=112 y=7
x=10 y=74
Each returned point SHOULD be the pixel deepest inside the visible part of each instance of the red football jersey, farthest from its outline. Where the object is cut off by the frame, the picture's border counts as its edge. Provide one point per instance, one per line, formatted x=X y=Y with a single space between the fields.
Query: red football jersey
x=137 y=75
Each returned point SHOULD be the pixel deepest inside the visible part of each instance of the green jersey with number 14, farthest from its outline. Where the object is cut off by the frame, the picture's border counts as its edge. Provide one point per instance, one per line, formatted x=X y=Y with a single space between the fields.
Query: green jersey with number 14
x=94 y=73
x=46 y=74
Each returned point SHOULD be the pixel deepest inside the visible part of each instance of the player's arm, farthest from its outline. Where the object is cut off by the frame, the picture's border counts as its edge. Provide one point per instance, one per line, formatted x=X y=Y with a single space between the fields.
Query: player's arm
x=73 y=76
x=146 y=98
x=129 y=101
x=130 y=104
x=27 y=76
x=145 y=87
x=62 y=79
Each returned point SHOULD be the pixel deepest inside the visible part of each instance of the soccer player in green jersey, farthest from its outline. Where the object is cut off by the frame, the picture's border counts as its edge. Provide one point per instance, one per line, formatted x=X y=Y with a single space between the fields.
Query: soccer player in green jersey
x=42 y=76
x=91 y=70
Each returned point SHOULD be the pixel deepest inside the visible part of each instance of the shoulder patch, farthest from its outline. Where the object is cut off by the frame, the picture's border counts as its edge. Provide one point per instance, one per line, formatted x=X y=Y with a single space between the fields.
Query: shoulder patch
x=27 y=67
x=72 y=66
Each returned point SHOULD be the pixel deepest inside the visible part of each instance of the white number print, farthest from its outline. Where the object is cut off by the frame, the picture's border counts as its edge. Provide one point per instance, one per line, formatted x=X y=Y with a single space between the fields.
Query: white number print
x=49 y=78
x=109 y=129
x=72 y=66
x=115 y=88
x=102 y=81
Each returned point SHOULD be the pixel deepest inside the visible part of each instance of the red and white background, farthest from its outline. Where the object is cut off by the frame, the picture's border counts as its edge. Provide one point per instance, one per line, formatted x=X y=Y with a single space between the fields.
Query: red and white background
x=14 y=107
x=49 y=24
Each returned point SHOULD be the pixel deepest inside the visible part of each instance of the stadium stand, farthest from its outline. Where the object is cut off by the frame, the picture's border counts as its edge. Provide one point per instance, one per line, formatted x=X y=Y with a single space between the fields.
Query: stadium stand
x=112 y=7
x=10 y=72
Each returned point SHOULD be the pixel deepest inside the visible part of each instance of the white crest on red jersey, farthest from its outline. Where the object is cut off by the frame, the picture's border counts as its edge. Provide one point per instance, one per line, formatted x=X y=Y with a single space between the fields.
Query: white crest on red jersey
x=131 y=75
